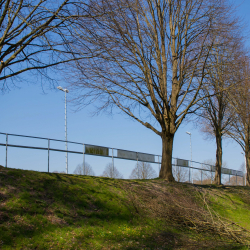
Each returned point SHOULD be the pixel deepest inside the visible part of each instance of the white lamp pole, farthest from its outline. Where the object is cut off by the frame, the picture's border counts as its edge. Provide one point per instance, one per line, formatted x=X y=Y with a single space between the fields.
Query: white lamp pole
x=66 y=143
x=189 y=133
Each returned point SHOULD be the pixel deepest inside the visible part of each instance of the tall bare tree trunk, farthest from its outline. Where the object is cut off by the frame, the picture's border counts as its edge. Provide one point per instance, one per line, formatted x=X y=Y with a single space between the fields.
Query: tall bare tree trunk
x=218 y=164
x=166 y=162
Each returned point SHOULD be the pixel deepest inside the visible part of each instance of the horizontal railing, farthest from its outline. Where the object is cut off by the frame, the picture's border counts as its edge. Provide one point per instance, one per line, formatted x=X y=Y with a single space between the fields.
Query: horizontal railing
x=89 y=149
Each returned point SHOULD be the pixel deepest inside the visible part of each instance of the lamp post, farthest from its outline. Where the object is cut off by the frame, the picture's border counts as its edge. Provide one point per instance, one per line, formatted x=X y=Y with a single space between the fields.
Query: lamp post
x=66 y=144
x=189 y=133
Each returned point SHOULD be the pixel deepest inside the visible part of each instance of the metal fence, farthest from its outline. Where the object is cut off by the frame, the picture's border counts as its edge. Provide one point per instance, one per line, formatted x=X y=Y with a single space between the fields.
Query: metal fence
x=183 y=170
x=205 y=173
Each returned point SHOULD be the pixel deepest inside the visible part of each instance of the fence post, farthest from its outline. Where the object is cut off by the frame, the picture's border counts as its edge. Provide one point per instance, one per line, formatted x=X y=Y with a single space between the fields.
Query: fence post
x=137 y=165
x=83 y=160
x=137 y=158
x=229 y=178
x=113 y=161
x=6 y=156
x=159 y=164
x=48 y=153
x=236 y=179
x=201 y=176
x=189 y=174
x=211 y=174
x=175 y=165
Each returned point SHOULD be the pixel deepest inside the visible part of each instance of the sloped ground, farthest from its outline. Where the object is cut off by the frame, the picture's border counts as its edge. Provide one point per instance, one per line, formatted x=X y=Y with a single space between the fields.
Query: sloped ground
x=58 y=211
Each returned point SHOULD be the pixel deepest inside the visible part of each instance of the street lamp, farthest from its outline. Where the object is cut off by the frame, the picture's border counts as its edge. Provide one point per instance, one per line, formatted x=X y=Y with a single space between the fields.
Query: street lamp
x=66 y=144
x=189 y=133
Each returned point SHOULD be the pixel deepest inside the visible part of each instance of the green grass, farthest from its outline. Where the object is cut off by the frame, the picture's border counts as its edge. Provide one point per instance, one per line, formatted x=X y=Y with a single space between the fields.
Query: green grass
x=233 y=203
x=58 y=211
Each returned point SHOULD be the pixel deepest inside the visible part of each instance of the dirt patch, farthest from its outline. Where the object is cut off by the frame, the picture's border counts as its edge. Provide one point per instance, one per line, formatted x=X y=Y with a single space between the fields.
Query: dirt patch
x=56 y=220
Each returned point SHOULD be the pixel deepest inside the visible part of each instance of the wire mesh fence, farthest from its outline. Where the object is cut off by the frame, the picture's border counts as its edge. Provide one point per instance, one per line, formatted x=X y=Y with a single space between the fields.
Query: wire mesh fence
x=46 y=155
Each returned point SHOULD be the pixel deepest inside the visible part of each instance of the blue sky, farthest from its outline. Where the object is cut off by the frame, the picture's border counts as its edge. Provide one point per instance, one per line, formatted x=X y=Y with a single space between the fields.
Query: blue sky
x=33 y=110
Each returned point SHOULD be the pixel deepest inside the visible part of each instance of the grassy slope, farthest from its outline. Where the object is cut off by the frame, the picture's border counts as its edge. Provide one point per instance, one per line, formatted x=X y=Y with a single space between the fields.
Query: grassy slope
x=58 y=211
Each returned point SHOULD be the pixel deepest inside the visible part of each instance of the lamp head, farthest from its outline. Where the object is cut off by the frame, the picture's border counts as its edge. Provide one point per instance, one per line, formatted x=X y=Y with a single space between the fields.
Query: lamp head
x=188 y=133
x=59 y=87
x=64 y=90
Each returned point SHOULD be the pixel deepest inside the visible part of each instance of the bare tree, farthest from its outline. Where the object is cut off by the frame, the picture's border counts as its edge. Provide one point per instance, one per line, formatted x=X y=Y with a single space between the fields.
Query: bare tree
x=215 y=116
x=111 y=172
x=33 y=36
x=84 y=170
x=143 y=170
x=208 y=176
x=208 y=173
x=180 y=173
x=149 y=60
x=243 y=169
x=239 y=98
x=237 y=180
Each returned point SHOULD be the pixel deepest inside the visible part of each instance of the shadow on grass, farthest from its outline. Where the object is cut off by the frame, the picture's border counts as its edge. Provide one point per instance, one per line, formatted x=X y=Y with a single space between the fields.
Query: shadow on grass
x=51 y=210
x=42 y=203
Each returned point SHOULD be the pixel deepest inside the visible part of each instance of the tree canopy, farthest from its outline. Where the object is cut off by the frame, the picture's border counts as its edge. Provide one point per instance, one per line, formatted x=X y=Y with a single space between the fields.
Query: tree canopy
x=34 y=36
x=148 y=59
